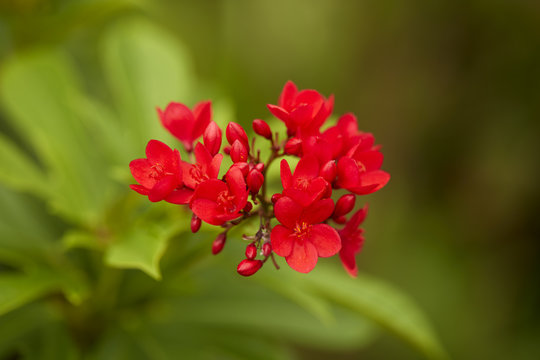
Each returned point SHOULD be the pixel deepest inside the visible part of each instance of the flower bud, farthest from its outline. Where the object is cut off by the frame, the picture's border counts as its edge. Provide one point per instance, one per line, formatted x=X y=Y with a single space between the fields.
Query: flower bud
x=261 y=128
x=294 y=147
x=238 y=152
x=266 y=249
x=248 y=207
x=329 y=171
x=212 y=138
x=242 y=166
x=248 y=267
x=344 y=205
x=276 y=197
x=254 y=181
x=218 y=244
x=251 y=251
x=227 y=150
x=259 y=167
x=195 y=223
x=340 y=219
x=236 y=132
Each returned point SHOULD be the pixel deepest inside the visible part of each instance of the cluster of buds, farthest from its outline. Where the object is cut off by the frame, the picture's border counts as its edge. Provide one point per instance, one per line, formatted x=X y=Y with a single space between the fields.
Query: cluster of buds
x=310 y=224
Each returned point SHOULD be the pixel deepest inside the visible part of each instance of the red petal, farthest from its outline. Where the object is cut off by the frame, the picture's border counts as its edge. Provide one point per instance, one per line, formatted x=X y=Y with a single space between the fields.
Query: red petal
x=318 y=211
x=287 y=211
x=206 y=210
x=213 y=170
x=141 y=169
x=158 y=152
x=179 y=120
x=210 y=189
x=303 y=257
x=287 y=96
x=312 y=97
x=305 y=197
x=308 y=167
x=325 y=239
x=212 y=138
x=202 y=113
x=182 y=196
x=286 y=176
x=140 y=189
x=237 y=185
x=282 y=243
x=349 y=263
x=372 y=160
x=357 y=219
x=371 y=182
x=301 y=115
x=348 y=173
x=163 y=188
x=278 y=112
x=202 y=156
x=348 y=125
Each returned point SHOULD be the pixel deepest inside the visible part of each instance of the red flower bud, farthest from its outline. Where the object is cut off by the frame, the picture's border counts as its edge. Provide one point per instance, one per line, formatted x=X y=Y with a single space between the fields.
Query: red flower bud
x=238 y=152
x=340 y=220
x=251 y=251
x=236 y=132
x=248 y=267
x=260 y=167
x=248 y=206
x=212 y=138
x=329 y=171
x=261 y=128
x=242 y=166
x=218 y=244
x=254 y=181
x=195 y=223
x=276 y=197
x=344 y=205
x=294 y=147
x=266 y=249
x=227 y=150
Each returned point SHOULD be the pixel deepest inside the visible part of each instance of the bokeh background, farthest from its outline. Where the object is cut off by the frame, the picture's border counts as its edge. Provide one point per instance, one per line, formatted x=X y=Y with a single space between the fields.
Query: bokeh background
x=451 y=90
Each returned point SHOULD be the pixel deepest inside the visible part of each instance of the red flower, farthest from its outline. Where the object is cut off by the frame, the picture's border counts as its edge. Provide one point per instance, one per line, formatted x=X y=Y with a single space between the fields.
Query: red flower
x=206 y=167
x=186 y=125
x=305 y=186
x=361 y=172
x=216 y=201
x=303 y=111
x=352 y=241
x=160 y=174
x=300 y=237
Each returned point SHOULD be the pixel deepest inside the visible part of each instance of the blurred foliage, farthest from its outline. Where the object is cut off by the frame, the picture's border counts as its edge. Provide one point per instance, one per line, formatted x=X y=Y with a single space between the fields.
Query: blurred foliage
x=449 y=88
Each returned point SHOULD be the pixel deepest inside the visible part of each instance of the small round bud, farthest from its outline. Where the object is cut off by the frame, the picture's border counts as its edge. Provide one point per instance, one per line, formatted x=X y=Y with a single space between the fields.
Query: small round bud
x=340 y=219
x=294 y=147
x=227 y=150
x=261 y=128
x=236 y=132
x=248 y=267
x=212 y=138
x=195 y=223
x=266 y=249
x=259 y=167
x=239 y=152
x=276 y=197
x=219 y=243
x=251 y=251
x=329 y=171
x=344 y=205
x=248 y=206
x=254 y=181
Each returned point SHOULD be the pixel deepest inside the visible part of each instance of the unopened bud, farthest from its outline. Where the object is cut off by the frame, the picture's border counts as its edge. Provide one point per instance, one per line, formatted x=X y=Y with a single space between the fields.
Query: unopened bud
x=227 y=150
x=266 y=249
x=248 y=267
x=254 y=181
x=259 y=167
x=294 y=147
x=276 y=197
x=195 y=223
x=238 y=152
x=329 y=171
x=212 y=138
x=236 y=132
x=340 y=219
x=248 y=206
x=251 y=251
x=261 y=128
x=218 y=244
x=344 y=205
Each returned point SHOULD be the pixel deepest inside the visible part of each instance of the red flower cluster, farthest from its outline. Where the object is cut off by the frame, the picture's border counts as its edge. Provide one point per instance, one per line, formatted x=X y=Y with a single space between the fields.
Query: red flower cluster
x=339 y=158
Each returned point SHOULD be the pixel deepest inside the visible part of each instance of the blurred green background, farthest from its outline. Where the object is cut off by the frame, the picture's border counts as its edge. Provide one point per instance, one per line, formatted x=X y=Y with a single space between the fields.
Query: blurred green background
x=451 y=89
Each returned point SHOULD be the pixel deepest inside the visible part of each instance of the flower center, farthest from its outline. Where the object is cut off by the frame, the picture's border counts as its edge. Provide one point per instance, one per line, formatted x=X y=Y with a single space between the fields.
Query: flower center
x=198 y=174
x=225 y=202
x=301 y=230
x=302 y=183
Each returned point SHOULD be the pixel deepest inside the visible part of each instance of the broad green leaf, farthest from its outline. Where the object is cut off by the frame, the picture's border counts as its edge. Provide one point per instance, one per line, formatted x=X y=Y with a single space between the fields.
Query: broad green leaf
x=146 y=68
x=140 y=248
x=379 y=302
x=18 y=171
x=43 y=96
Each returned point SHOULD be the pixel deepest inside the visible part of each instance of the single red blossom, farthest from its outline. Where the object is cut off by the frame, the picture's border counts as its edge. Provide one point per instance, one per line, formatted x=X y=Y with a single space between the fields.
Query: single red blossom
x=302 y=111
x=160 y=174
x=212 y=138
x=361 y=174
x=206 y=167
x=301 y=238
x=352 y=241
x=351 y=138
x=304 y=186
x=186 y=125
x=216 y=201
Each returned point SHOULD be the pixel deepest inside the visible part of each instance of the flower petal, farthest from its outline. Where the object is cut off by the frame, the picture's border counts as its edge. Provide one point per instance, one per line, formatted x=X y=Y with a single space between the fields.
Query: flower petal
x=303 y=257
x=318 y=211
x=371 y=182
x=282 y=242
x=210 y=189
x=287 y=211
x=206 y=210
x=286 y=175
x=141 y=169
x=181 y=196
x=163 y=188
x=178 y=120
x=348 y=173
x=278 y=112
x=287 y=96
x=202 y=113
x=325 y=239
x=308 y=167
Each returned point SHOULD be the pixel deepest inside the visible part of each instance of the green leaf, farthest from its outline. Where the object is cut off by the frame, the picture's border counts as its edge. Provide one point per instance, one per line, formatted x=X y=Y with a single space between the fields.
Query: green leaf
x=140 y=248
x=379 y=302
x=146 y=68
